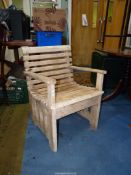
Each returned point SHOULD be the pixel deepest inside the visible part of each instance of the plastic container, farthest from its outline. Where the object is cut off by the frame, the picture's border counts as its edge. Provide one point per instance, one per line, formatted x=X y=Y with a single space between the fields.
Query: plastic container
x=48 y=38
x=17 y=93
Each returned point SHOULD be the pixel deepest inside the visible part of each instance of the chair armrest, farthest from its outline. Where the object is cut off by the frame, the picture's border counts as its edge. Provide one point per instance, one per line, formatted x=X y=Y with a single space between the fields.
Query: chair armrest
x=89 y=69
x=100 y=75
x=50 y=85
x=47 y=80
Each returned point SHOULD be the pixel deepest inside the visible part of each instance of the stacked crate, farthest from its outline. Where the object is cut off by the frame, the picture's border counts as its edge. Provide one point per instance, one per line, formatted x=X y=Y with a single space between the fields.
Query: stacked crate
x=49 y=23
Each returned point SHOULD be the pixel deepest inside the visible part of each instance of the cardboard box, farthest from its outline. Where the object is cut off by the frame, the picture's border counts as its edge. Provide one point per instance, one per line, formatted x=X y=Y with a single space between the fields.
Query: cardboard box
x=49 y=19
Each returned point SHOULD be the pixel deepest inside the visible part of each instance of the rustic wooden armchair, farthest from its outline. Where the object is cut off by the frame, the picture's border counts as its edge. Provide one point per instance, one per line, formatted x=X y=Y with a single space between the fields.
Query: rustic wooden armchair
x=54 y=93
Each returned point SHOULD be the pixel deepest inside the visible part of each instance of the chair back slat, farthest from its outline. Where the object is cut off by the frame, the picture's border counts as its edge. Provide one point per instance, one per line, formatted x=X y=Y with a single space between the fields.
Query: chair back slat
x=49 y=61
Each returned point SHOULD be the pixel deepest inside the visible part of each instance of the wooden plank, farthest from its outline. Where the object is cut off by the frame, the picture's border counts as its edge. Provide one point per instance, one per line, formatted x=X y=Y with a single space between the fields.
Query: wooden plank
x=63 y=87
x=69 y=108
x=89 y=69
x=56 y=72
x=59 y=84
x=66 y=80
x=62 y=76
x=60 y=87
x=62 y=103
x=65 y=90
x=76 y=92
x=51 y=94
x=44 y=79
x=99 y=81
x=45 y=63
x=59 y=79
x=46 y=56
x=47 y=68
x=45 y=49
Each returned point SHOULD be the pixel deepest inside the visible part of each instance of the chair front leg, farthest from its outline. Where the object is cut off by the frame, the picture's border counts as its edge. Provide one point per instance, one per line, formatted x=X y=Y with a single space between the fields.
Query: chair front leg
x=52 y=128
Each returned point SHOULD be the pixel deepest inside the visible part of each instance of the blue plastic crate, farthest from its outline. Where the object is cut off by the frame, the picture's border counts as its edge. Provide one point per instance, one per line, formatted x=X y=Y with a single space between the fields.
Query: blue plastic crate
x=48 y=38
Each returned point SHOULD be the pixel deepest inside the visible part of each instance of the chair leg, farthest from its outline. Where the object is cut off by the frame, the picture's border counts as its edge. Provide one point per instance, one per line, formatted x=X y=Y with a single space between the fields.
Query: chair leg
x=94 y=115
x=34 y=110
x=52 y=126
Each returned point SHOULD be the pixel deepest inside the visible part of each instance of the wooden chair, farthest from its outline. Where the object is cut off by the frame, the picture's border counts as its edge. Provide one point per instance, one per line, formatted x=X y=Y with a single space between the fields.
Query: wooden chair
x=54 y=93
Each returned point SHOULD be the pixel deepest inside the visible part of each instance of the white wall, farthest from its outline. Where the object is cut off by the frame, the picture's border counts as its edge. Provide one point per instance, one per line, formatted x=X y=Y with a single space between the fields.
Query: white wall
x=59 y=3
x=27 y=7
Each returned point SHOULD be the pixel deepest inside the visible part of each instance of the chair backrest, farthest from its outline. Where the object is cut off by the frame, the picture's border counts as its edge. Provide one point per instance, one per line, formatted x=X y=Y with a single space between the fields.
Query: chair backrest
x=49 y=61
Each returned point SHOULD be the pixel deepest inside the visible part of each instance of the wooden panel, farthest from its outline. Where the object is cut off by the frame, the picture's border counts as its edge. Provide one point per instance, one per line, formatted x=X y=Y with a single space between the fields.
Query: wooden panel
x=47 y=68
x=74 y=107
x=114 y=25
x=45 y=63
x=83 y=38
x=47 y=49
x=46 y=56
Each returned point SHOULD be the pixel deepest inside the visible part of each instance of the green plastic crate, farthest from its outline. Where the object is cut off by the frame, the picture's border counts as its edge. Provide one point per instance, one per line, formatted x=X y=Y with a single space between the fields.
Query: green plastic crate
x=17 y=93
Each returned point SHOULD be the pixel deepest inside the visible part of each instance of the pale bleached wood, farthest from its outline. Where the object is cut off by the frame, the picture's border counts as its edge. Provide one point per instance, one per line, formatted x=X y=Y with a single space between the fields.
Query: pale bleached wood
x=52 y=124
x=89 y=69
x=66 y=80
x=51 y=94
x=47 y=56
x=45 y=49
x=59 y=86
x=63 y=87
x=62 y=103
x=55 y=72
x=56 y=77
x=46 y=62
x=34 y=110
x=74 y=107
x=42 y=78
x=32 y=102
x=47 y=68
x=45 y=114
x=99 y=81
x=62 y=76
x=54 y=93
x=92 y=113
x=95 y=111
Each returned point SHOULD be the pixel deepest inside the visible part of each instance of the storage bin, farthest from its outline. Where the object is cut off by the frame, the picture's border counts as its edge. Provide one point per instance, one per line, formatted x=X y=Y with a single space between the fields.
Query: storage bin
x=111 y=64
x=48 y=38
x=17 y=93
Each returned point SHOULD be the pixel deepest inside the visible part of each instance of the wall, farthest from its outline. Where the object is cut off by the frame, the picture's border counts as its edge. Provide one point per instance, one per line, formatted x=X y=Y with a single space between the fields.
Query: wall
x=18 y=4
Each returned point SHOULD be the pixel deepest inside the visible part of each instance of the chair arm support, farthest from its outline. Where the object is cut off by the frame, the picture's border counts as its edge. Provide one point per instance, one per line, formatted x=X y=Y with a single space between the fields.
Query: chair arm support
x=89 y=69
x=47 y=80
x=50 y=85
x=100 y=75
